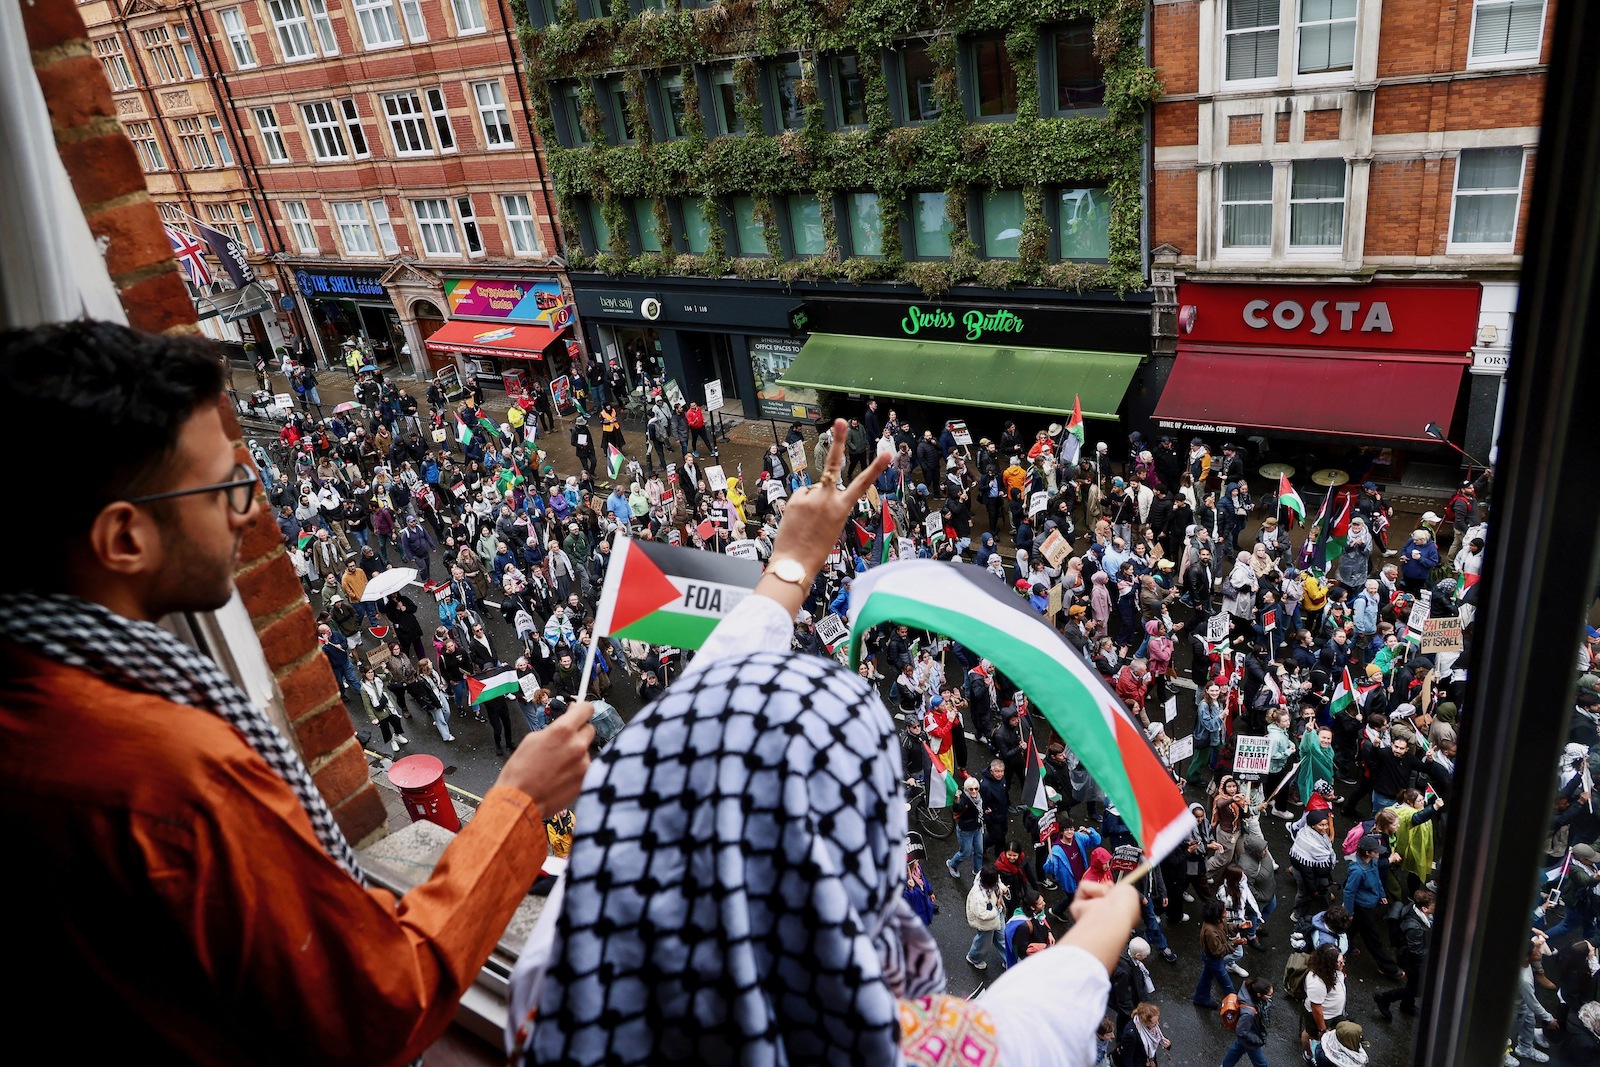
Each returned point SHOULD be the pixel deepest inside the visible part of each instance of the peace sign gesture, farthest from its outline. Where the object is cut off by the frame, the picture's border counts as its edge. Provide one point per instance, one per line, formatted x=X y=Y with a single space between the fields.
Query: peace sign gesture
x=816 y=514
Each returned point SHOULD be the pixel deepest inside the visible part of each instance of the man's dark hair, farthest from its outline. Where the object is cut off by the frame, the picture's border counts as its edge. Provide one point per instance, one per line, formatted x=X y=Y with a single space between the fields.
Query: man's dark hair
x=110 y=402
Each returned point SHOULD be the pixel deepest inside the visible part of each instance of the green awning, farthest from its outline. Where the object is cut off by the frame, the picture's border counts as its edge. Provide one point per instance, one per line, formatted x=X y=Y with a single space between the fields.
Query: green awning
x=1020 y=379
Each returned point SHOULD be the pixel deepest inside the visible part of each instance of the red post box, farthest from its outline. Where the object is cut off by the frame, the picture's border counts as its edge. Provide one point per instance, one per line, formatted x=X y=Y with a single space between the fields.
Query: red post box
x=420 y=779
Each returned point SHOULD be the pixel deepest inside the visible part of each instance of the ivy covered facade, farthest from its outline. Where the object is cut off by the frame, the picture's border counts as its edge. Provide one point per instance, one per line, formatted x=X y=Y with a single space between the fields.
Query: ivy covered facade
x=993 y=143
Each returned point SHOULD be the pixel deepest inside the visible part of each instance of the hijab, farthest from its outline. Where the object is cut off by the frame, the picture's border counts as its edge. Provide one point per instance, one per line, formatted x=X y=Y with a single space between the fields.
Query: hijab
x=736 y=896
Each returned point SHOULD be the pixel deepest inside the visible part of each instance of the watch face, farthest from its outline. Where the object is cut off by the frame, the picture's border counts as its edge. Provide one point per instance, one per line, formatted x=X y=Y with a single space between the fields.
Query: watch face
x=790 y=570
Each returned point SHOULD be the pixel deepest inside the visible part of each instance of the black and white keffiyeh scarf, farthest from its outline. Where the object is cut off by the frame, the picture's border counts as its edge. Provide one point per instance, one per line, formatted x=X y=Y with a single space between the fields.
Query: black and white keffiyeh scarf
x=734 y=893
x=144 y=658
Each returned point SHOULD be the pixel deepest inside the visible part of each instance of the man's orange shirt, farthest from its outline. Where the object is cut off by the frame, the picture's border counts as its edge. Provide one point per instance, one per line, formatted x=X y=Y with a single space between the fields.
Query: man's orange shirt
x=165 y=886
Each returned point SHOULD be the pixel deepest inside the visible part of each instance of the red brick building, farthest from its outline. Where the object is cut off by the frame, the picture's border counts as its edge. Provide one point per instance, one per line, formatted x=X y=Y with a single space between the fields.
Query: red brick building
x=393 y=143
x=1369 y=154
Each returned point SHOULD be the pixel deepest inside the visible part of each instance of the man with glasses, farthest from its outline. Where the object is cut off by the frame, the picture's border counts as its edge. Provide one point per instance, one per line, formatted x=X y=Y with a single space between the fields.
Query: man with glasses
x=184 y=874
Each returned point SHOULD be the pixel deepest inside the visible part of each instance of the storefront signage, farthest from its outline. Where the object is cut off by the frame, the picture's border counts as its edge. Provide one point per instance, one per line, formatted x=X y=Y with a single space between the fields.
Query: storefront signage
x=1196 y=427
x=339 y=285
x=1493 y=360
x=968 y=325
x=769 y=358
x=499 y=298
x=1379 y=316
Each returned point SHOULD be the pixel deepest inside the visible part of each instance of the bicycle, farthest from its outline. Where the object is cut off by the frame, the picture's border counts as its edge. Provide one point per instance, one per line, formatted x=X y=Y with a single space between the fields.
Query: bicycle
x=935 y=822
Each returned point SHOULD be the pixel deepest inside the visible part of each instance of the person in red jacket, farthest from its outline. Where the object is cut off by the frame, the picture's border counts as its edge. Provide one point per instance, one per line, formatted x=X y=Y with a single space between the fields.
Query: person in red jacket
x=696 y=418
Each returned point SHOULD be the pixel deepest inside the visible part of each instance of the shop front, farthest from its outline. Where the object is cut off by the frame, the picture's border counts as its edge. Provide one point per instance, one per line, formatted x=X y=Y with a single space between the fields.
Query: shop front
x=507 y=332
x=350 y=306
x=775 y=351
x=1319 y=369
x=952 y=355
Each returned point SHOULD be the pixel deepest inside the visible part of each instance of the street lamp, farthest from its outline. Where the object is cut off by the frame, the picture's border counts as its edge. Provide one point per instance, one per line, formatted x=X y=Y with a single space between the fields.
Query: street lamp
x=1433 y=431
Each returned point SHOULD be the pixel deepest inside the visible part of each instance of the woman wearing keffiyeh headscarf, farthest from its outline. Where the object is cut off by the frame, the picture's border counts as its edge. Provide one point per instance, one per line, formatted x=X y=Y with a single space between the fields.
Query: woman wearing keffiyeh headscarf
x=736 y=895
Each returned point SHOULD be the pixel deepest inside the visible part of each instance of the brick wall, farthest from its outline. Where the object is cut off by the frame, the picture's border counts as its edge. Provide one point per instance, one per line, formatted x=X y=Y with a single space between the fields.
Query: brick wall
x=1176 y=46
x=1177 y=123
x=1323 y=124
x=111 y=188
x=1173 y=204
x=1244 y=129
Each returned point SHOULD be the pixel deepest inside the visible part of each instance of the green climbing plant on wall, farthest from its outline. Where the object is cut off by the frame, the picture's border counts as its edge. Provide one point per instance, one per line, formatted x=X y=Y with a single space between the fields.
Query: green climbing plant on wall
x=952 y=153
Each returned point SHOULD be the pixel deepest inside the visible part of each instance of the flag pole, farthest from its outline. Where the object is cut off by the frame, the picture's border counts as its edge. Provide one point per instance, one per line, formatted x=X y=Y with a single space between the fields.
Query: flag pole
x=588 y=668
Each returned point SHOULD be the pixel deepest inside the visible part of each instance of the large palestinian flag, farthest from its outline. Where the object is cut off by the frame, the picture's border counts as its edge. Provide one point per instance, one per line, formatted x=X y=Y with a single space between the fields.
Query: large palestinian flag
x=500 y=682
x=669 y=596
x=968 y=605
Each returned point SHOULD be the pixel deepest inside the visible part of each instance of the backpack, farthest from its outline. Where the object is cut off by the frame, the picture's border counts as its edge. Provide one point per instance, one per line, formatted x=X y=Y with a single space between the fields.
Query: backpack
x=1353 y=839
x=1295 y=970
x=1229 y=1011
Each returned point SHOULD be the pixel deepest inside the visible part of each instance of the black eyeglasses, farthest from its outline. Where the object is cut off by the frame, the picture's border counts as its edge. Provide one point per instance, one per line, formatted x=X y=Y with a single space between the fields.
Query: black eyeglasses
x=241 y=490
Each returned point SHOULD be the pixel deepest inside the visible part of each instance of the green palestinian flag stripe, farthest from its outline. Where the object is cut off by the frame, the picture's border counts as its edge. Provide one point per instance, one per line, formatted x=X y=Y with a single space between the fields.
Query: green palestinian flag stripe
x=679 y=629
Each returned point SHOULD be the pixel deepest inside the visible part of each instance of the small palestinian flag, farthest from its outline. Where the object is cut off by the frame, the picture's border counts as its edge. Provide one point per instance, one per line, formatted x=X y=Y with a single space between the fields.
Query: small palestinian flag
x=501 y=682
x=1072 y=440
x=863 y=535
x=1290 y=502
x=1344 y=694
x=669 y=596
x=1033 y=794
x=614 y=461
x=941 y=783
x=306 y=539
x=886 y=533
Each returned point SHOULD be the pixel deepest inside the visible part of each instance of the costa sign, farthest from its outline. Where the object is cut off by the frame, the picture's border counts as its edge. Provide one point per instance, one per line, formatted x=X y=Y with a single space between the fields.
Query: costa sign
x=1384 y=316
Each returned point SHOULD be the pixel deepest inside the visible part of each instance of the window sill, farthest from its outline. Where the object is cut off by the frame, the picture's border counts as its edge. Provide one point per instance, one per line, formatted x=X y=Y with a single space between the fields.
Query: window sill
x=1500 y=63
x=1481 y=250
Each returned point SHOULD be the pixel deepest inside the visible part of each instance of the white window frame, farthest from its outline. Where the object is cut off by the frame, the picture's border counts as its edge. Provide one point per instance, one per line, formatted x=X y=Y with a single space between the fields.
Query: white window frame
x=435 y=222
x=221 y=219
x=1225 y=34
x=1329 y=76
x=196 y=142
x=1485 y=248
x=191 y=58
x=322 y=128
x=163 y=57
x=377 y=17
x=408 y=123
x=360 y=147
x=233 y=25
x=444 y=134
x=1505 y=59
x=497 y=135
x=520 y=223
x=118 y=73
x=293 y=30
x=1331 y=251
x=1225 y=251
x=411 y=17
x=271 y=134
x=252 y=232
x=473 y=9
x=322 y=27
x=351 y=221
x=380 y=220
x=471 y=232
x=220 y=136
x=143 y=136
x=300 y=227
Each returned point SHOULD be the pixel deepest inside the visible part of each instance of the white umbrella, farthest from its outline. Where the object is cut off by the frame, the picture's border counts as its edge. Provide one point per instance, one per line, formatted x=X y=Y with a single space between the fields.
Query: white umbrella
x=390 y=581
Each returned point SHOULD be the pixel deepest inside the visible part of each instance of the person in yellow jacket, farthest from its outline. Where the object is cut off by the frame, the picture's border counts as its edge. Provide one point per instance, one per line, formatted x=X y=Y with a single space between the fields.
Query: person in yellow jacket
x=1315 y=584
x=737 y=498
x=515 y=419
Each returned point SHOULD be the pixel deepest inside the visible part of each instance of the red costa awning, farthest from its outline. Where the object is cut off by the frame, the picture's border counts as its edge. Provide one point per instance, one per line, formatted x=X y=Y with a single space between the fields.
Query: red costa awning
x=1386 y=396
x=488 y=339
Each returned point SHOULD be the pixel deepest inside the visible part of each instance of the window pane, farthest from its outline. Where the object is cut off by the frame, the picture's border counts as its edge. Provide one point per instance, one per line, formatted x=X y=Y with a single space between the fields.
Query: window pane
x=644 y=217
x=1080 y=79
x=672 y=105
x=1247 y=205
x=1317 y=179
x=866 y=224
x=994 y=78
x=1252 y=39
x=697 y=228
x=849 y=96
x=1252 y=14
x=1327 y=35
x=727 y=101
x=573 y=105
x=1490 y=168
x=1247 y=181
x=1085 y=220
x=752 y=234
x=602 y=232
x=1316 y=203
x=1003 y=214
x=918 y=71
x=786 y=90
x=805 y=225
x=930 y=225
x=1507 y=28
x=1485 y=219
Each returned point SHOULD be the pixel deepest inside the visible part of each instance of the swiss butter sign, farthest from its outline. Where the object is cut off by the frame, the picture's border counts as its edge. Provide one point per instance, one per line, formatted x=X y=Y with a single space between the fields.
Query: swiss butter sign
x=1387 y=317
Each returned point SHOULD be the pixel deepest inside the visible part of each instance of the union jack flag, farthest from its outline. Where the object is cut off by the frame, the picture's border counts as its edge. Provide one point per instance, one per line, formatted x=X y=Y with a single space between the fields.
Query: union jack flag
x=191 y=255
